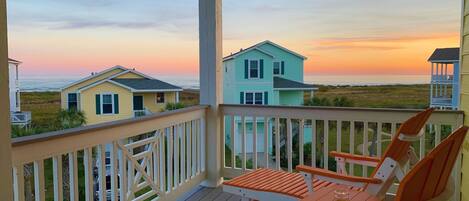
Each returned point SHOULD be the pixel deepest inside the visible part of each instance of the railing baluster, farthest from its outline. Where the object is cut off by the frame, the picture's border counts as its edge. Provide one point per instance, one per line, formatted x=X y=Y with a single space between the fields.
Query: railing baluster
x=87 y=160
x=422 y=143
x=243 y=142
x=57 y=177
x=365 y=147
x=39 y=189
x=437 y=134
x=254 y=143
x=199 y=146
x=114 y=172
x=73 y=174
x=289 y=145
x=189 y=150
x=102 y=172
x=156 y=160
x=266 y=142
x=162 y=160
x=183 y=152
x=202 y=144
x=124 y=174
x=313 y=142
x=379 y=143
x=393 y=129
x=232 y=142
x=18 y=179
x=326 y=144
x=302 y=140
x=194 y=148
x=352 y=146
x=170 y=159
x=130 y=175
x=176 y=156
x=277 y=143
x=339 y=136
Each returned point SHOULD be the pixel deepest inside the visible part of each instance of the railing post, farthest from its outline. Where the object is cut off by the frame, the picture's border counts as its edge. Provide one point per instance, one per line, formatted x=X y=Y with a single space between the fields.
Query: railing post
x=464 y=98
x=6 y=184
x=210 y=53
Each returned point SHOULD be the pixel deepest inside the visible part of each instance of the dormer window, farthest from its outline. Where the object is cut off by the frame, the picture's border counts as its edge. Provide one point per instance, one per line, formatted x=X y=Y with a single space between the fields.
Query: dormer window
x=253 y=69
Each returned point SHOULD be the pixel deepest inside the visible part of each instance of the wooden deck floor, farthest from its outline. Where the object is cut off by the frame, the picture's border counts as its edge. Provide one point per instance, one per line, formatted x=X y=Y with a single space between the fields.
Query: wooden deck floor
x=212 y=194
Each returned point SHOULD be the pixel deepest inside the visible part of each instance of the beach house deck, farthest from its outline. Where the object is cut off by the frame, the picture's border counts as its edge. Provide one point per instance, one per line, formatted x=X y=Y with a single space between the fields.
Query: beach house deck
x=170 y=155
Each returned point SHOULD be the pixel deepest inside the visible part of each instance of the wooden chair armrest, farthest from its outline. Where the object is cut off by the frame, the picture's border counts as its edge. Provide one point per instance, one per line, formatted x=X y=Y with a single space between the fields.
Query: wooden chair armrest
x=355 y=157
x=336 y=176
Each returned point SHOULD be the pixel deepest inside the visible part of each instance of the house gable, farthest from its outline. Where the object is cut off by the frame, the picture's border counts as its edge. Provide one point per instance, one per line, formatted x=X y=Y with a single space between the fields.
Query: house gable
x=94 y=78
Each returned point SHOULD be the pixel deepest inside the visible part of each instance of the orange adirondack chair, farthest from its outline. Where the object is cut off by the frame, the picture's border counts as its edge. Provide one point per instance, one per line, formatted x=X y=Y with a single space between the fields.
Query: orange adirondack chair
x=264 y=184
x=430 y=178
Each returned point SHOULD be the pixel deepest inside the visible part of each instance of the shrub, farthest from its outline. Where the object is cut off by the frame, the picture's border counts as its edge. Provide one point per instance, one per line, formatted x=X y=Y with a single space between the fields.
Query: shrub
x=174 y=106
x=70 y=119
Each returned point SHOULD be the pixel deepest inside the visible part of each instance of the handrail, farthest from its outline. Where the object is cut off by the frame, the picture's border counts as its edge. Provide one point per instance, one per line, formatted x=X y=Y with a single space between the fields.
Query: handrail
x=340 y=113
x=85 y=129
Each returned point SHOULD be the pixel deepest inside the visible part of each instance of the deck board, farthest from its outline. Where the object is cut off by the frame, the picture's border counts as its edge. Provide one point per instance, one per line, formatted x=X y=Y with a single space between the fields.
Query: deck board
x=212 y=194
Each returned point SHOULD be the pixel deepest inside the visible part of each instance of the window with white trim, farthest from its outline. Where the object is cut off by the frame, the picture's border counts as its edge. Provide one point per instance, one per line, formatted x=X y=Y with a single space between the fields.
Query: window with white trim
x=276 y=68
x=254 y=69
x=107 y=103
x=254 y=98
x=72 y=101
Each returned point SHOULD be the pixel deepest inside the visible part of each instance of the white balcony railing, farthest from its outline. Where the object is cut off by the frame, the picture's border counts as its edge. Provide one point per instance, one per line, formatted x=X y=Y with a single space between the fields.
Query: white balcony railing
x=20 y=118
x=250 y=145
x=158 y=156
x=163 y=155
x=141 y=113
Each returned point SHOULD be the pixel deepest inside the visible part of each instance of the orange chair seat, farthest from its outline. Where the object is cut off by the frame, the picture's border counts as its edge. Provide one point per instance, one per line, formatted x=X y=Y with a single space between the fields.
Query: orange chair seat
x=267 y=180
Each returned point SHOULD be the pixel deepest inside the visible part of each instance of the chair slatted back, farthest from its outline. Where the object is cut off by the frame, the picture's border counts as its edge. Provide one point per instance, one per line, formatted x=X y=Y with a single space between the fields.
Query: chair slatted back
x=398 y=149
x=429 y=177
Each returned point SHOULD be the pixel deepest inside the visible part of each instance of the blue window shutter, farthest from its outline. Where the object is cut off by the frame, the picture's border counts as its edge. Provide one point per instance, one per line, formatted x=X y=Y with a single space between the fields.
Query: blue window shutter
x=283 y=68
x=266 y=98
x=241 y=98
x=261 y=68
x=98 y=104
x=246 y=68
x=116 y=103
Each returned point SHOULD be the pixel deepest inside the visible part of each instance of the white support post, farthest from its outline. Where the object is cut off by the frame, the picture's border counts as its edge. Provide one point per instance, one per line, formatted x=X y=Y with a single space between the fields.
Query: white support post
x=177 y=96
x=211 y=82
x=6 y=186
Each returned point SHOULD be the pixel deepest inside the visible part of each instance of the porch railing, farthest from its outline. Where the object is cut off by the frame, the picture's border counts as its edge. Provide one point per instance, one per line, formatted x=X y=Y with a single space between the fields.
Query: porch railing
x=158 y=156
x=281 y=137
x=20 y=118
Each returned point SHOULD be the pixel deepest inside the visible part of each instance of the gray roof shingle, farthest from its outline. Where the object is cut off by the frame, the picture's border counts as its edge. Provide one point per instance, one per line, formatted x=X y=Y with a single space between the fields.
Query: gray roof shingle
x=146 y=84
x=282 y=83
x=445 y=54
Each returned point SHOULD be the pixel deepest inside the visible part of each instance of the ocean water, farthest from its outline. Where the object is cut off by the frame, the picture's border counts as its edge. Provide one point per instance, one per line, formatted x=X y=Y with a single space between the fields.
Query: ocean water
x=55 y=83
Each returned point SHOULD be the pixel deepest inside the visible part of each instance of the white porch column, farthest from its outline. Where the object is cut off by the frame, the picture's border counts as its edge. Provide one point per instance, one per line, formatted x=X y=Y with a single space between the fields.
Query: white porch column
x=6 y=182
x=211 y=92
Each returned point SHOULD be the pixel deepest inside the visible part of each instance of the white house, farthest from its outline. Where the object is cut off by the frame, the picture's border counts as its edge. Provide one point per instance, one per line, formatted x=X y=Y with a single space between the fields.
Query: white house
x=17 y=116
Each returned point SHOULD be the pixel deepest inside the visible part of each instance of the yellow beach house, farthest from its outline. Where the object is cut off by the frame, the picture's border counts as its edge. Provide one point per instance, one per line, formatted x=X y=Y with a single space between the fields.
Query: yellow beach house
x=118 y=93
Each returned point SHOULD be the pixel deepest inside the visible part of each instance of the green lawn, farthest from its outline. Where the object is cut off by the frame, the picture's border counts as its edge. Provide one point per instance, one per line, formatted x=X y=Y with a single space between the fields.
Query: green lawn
x=390 y=96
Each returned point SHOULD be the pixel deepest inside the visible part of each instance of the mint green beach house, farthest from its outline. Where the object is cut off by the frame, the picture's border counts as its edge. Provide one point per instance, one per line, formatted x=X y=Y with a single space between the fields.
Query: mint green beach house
x=263 y=74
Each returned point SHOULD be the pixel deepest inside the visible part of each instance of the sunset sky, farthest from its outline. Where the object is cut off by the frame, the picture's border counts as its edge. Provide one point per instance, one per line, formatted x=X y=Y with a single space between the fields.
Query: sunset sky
x=160 y=37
